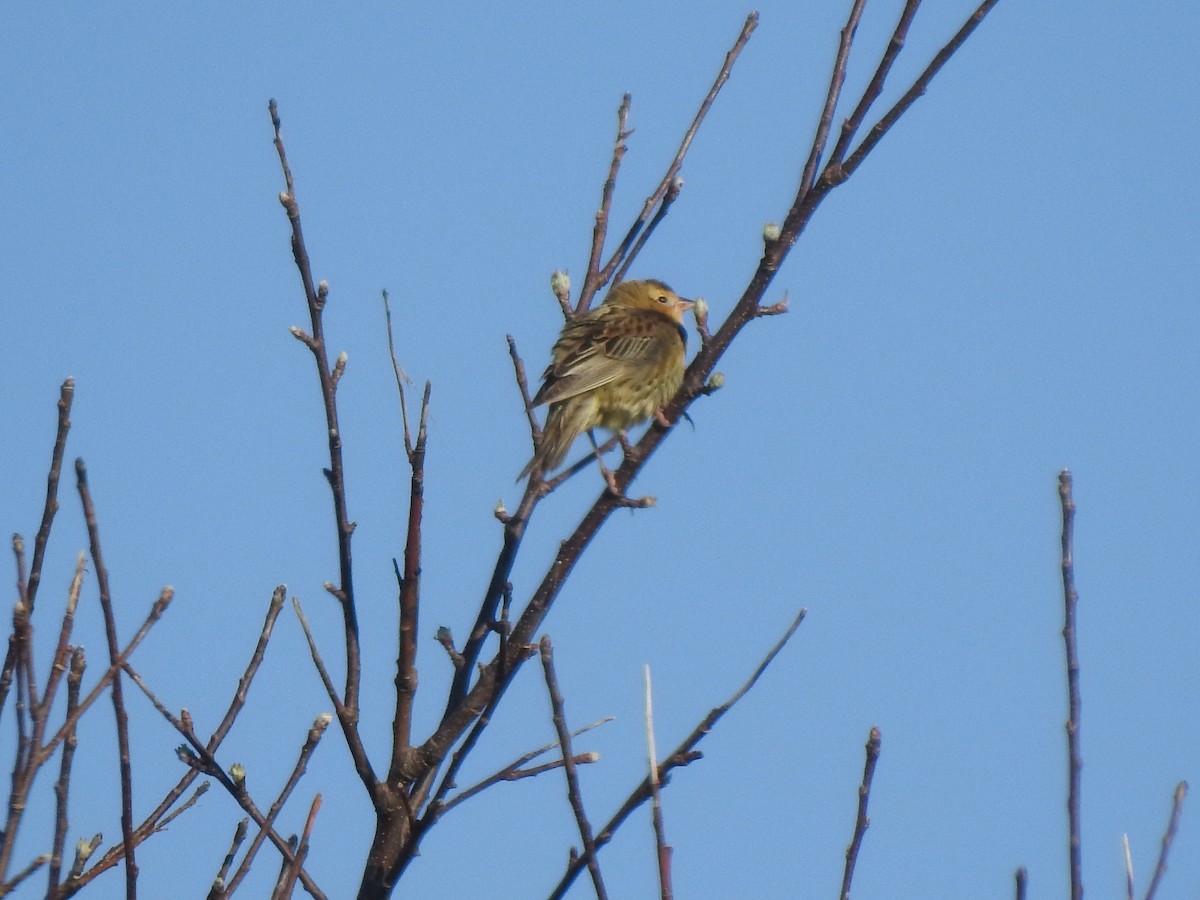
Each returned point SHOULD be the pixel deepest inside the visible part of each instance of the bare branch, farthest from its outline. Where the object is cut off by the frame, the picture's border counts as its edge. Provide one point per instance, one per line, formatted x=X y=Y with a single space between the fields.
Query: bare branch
x=401 y=377
x=836 y=79
x=1074 y=762
x=861 y=821
x=316 y=296
x=1167 y=839
x=559 y=717
x=1022 y=877
x=410 y=595
x=514 y=771
x=683 y=755
x=118 y=697
x=239 y=836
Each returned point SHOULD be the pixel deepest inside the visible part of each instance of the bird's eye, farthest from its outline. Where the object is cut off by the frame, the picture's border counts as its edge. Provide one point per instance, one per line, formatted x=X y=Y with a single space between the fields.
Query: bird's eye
x=662 y=299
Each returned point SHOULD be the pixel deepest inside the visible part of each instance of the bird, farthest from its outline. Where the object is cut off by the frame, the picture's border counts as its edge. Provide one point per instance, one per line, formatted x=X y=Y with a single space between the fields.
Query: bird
x=614 y=367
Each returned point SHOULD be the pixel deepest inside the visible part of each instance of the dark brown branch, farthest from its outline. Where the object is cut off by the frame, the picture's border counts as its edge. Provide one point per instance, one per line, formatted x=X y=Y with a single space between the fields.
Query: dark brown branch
x=118 y=698
x=158 y=818
x=875 y=87
x=917 y=90
x=316 y=296
x=836 y=79
x=358 y=752
x=683 y=755
x=239 y=836
x=592 y=281
x=627 y=251
x=410 y=593
x=1022 y=877
x=315 y=733
x=200 y=758
x=861 y=821
x=287 y=883
x=9 y=886
x=1074 y=762
x=62 y=651
x=63 y=785
x=29 y=585
x=574 y=797
x=523 y=383
x=66 y=396
x=1168 y=838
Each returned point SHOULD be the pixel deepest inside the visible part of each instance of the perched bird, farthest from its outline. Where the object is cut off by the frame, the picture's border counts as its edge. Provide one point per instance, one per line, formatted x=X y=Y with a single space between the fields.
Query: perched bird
x=614 y=366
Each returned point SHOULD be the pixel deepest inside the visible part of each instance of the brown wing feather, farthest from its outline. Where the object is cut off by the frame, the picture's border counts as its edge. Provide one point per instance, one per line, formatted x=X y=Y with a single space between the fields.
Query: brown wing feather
x=595 y=350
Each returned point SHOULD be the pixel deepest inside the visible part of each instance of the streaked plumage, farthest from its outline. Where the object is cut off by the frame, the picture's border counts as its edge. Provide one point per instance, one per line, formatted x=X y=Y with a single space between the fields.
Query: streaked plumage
x=613 y=367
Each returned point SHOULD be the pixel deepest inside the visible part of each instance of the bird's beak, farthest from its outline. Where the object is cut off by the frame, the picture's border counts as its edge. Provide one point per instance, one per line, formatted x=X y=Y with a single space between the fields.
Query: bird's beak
x=685 y=305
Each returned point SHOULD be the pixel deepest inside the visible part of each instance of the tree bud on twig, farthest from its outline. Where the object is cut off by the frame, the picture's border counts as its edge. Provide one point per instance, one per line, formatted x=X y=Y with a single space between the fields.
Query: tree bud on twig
x=770 y=232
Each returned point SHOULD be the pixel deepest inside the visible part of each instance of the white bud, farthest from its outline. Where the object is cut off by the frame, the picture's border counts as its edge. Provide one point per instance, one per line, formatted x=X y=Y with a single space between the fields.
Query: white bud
x=770 y=232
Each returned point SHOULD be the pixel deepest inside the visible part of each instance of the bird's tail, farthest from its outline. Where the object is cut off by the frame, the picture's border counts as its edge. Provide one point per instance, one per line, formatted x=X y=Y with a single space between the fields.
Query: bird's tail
x=564 y=422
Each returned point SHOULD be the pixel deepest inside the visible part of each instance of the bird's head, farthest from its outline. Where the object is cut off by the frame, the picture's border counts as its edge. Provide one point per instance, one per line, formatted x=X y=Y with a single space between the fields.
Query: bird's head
x=649 y=294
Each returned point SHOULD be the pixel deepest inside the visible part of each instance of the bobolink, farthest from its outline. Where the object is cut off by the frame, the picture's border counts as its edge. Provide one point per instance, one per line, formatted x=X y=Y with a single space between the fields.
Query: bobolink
x=614 y=366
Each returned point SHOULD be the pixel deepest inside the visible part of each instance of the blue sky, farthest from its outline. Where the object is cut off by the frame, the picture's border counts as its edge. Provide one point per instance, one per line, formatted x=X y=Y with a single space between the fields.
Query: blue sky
x=1008 y=286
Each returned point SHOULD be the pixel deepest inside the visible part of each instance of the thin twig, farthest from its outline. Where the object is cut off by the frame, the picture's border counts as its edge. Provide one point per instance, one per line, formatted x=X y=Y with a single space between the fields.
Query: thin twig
x=627 y=251
x=514 y=771
x=683 y=755
x=875 y=87
x=1168 y=837
x=63 y=785
x=574 y=797
x=1022 y=877
x=401 y=376
x=837 y=78
x=30 y=583
x=315 y=733
x=316 y=296
x=217 y=891
x=662 y=848
x=861 y=821
x=917 y=90
x=1074 y=762
x=592 y=282
x=118 y=698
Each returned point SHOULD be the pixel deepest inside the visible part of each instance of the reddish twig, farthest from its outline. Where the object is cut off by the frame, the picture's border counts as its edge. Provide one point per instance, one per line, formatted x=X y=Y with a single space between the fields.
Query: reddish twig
x=861 y=821
x=1168 y=838
x=1074 y=762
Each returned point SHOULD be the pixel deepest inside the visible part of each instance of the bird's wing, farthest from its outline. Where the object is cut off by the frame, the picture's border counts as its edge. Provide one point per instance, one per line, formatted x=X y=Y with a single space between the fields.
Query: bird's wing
x=595 y=355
